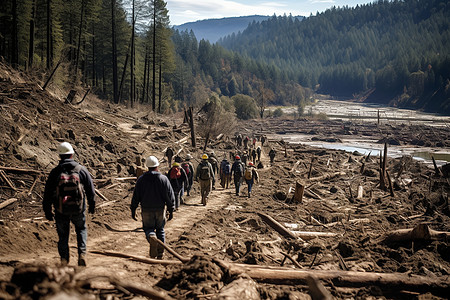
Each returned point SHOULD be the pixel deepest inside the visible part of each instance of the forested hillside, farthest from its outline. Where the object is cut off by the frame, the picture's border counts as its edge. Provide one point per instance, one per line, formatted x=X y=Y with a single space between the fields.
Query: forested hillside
x=126 y=51
x=396 y=51
x=213 y=29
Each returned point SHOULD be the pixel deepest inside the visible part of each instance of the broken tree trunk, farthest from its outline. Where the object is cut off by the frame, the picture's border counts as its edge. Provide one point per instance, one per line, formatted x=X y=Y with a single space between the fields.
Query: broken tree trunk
x=170 y=250
x=191 y=125
x=141 y=259
x=15 y=170
x=392 y=281
x=277 y=226
x=305 y=235
x=420 y=232
x=7 y=202
x=101 y=195
x=298 y=194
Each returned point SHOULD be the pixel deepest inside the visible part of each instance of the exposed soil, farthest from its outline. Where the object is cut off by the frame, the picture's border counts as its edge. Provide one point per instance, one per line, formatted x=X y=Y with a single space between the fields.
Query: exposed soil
x=111 y=140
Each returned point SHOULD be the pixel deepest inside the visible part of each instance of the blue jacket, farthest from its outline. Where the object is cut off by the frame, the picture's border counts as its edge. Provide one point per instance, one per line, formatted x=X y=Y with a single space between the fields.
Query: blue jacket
x=153 y=191
x=53 y=180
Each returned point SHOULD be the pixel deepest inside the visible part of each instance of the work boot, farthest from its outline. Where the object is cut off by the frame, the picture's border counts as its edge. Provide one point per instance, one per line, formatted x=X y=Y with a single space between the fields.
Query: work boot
x=82 y=260
x=153 y=252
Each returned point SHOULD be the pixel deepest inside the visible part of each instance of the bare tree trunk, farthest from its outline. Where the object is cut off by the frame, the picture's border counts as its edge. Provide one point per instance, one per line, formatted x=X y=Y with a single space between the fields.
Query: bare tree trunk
x=15 y=37
x=160 y=81
x=114 y=50
x=154 y=59
x=31 y=43
x=144 y=88
x=83 y=4
x=191 y=124
x=132 y=58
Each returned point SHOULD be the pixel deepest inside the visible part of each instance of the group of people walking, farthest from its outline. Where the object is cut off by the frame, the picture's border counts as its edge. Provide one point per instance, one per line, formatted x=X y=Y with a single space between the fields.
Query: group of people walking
x=69 y=191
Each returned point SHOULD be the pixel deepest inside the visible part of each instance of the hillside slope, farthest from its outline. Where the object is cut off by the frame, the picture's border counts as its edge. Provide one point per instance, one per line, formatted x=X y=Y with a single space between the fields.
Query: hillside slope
x=228 y=240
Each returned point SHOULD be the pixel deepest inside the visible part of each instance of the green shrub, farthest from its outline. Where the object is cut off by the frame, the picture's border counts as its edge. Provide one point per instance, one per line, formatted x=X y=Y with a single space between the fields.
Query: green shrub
x=245 y=107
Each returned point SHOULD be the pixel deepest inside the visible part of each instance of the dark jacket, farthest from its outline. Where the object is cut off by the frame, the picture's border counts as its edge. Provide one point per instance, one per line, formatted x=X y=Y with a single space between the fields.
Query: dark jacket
x=153 y=191
x=53 y=181
x=234 y=168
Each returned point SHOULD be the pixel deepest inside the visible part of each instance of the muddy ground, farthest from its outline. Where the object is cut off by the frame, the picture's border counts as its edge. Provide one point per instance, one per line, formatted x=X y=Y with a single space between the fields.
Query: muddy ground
x=111 y=140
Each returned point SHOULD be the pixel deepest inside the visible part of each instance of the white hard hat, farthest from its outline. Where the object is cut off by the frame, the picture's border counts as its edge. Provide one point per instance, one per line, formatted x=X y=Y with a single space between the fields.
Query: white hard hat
x=152 y=162
x=65 y=148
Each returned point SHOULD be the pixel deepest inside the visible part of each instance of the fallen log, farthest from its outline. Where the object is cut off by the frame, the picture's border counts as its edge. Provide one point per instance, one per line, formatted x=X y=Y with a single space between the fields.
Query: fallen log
x=286 y=255
x=327 y=176
x=16 y=170
x=305 y=235
x=137 y=258
x=101 y=195
x=7 y=202
x=32 y=186
x=420 y=232
x=277 y=226
x=140 y=290
x=317 y=290
x=7 y=180
x=392 y=281
x=170 y=250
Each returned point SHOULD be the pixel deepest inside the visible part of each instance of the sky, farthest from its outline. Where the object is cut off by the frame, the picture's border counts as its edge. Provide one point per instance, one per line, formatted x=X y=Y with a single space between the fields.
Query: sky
x=183 y=11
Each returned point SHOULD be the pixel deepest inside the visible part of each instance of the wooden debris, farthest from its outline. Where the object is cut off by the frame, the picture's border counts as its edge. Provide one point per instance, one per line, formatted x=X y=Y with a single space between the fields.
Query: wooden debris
x=292 y=260
x=327 y=176
x=317 y=290
x=101 y=195
x=298 y=194
x=141 y=259
x=307 y=235
x=32 y=186
x=7 y=180
x=277 y=226
x=170 y=250
x=420 y=232
x=7 y=202
x=16 y=170
x=387 y=281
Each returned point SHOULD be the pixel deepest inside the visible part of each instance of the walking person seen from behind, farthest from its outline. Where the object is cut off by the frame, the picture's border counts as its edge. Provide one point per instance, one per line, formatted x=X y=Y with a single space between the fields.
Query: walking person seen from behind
x=250 y=176
x=205 y=176
x=179 y=181
x=69 y=186
x=237 y=170
x=189 y=169
x=155 y=194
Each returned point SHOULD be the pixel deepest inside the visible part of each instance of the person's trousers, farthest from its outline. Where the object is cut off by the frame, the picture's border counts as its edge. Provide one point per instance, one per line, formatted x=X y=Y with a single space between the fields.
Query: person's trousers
x=249 y=185
x=237 y=184
x=63 y=230
x=154 y=221
x=205 y=187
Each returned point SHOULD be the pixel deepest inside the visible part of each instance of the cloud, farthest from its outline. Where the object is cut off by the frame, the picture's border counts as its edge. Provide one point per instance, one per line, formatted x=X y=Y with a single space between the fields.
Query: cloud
x=321 y=1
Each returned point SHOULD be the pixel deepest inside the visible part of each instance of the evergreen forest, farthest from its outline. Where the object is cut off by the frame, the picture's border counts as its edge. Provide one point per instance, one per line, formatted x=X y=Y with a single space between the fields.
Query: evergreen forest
x=125 y=51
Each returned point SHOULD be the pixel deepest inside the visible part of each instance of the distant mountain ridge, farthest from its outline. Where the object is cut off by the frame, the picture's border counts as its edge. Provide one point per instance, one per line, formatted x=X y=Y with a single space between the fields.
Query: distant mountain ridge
x=213 y=29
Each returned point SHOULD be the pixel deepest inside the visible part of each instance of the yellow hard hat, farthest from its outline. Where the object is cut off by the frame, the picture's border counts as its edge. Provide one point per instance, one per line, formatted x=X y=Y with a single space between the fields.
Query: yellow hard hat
x=205 y=156
x=175 y=164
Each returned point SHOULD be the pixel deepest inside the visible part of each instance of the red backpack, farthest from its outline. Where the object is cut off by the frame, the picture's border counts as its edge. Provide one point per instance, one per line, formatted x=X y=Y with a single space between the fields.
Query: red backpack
x=186 y=168
x=175 y=173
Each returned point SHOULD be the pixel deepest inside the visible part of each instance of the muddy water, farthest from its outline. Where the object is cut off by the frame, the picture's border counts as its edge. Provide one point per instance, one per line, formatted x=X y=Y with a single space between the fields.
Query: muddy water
x=371 y=112
x=361 y=113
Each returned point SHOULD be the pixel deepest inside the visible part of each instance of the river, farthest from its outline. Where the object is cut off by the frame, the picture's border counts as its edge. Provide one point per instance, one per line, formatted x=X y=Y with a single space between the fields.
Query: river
x=357 y=112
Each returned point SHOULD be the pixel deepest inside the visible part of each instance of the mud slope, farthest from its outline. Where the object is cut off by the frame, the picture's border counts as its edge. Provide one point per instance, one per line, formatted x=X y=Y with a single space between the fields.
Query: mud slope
x=345 y=232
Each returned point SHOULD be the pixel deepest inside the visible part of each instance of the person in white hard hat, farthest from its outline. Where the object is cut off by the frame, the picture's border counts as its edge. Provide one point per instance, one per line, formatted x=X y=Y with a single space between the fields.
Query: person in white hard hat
x=68 y=187
x=155 y=194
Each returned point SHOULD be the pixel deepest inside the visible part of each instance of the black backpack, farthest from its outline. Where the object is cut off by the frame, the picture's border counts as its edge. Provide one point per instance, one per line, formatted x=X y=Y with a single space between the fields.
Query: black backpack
x=239 y=170
x=205 y=172
x=69 y=191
